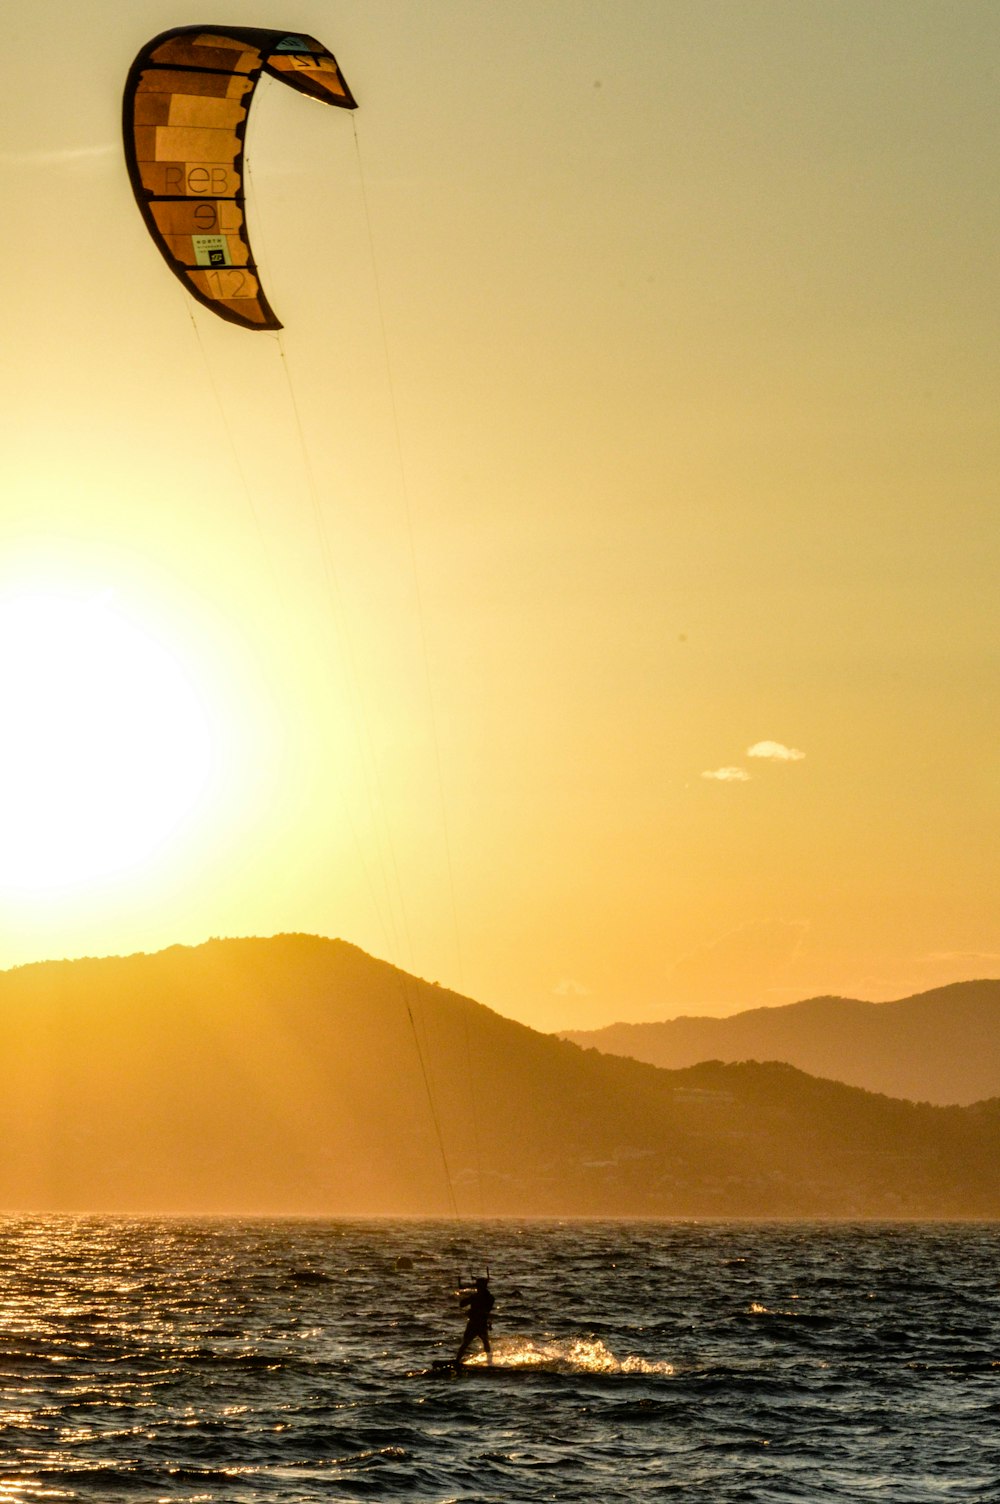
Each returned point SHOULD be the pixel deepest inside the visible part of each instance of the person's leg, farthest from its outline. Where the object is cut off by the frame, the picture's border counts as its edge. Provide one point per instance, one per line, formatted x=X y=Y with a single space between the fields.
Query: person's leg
x=466 y=1343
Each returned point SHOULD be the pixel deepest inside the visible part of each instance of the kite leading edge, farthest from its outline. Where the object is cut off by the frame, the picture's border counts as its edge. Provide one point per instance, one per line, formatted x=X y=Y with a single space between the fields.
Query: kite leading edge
x=184 y=115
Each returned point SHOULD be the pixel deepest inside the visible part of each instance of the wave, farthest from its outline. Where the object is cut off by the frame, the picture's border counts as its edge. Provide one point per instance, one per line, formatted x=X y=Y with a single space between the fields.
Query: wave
x=579 y=1355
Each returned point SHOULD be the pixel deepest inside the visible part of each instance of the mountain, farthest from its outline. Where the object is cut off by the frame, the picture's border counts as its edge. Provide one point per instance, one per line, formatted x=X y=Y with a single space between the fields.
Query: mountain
x=283 y=1076
x=941 y=1046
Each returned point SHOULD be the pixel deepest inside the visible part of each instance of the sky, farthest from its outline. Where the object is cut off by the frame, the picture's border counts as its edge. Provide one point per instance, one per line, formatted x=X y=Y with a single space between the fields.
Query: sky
x=588 y=601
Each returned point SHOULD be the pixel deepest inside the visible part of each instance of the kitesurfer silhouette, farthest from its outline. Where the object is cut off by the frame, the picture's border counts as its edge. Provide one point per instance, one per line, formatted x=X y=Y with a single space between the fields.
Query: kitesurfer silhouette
x=480 y=1304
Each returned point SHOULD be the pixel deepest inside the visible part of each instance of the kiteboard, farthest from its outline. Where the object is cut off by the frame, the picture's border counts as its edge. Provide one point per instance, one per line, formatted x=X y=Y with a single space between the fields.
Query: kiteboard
x=441 y=1368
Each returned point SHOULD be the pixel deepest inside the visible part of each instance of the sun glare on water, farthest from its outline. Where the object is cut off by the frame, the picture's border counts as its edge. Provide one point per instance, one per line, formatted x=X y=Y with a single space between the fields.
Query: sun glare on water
x=573 y=1355
x=105 y=748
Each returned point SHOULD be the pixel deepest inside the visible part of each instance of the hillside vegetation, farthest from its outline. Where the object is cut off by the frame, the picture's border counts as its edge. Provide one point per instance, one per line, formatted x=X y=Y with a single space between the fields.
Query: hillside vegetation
x=282 y=1076
x=940 y=1046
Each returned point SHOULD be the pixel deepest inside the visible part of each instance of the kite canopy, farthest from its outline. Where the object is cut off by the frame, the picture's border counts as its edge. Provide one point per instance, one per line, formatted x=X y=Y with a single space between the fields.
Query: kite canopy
x=184 y=116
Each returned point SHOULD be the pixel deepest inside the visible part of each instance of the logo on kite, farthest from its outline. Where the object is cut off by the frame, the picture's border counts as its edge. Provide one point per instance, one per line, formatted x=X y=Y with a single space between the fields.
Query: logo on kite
x=184 y=117
x=211 y=250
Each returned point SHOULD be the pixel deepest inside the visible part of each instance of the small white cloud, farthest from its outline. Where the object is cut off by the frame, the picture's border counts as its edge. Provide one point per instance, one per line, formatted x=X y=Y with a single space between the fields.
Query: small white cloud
x=728 y=775
x=566 y=987
x=776 y=751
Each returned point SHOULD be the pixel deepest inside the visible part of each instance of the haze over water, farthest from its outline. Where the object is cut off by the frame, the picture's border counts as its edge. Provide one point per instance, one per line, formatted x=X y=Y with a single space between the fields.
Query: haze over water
x=253 y=1361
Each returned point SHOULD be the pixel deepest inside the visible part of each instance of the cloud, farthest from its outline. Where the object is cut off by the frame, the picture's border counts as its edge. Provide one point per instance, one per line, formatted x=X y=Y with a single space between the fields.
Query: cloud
x=728 y=775
x=776 y=751
x=566 y=987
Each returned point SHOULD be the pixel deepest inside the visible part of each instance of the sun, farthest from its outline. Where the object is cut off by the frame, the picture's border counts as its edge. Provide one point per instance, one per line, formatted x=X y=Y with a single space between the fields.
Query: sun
x=105 y=747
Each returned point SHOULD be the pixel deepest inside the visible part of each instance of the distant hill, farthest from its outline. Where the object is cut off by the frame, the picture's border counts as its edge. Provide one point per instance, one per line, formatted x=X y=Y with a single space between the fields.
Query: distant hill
x=282 y=1076
x=941 y=1046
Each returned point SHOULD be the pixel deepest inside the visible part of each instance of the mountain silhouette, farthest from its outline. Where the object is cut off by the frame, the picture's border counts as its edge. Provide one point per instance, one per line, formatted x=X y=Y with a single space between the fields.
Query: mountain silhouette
x=299 y=1076
x=940 y=1046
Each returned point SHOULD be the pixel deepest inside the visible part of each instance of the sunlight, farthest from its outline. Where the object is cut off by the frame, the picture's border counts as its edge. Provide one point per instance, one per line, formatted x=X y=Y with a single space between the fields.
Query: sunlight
x=568 y=1355
x=105 y=748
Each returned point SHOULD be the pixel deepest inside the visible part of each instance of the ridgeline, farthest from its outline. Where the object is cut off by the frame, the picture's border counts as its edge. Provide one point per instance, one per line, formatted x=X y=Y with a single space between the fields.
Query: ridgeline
x=283 y=1076
x=940 y=1046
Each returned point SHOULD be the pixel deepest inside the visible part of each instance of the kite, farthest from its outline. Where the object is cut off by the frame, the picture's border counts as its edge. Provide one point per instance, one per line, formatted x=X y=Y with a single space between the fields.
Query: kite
x=184 y=116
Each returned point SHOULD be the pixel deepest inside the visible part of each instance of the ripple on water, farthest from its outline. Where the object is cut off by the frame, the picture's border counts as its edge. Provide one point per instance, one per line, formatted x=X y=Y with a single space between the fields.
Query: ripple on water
x=255 y=1361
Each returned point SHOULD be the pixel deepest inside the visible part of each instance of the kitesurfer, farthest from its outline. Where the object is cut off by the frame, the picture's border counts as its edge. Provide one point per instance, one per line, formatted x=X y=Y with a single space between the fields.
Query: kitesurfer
x=480 y=1304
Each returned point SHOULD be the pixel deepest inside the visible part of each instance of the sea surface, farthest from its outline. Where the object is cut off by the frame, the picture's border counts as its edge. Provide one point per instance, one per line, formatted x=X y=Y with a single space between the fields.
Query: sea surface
x=252 y=1361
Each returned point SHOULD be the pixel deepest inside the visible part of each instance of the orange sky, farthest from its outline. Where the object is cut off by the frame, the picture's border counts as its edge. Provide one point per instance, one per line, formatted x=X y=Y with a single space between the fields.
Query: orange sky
x=636 y=408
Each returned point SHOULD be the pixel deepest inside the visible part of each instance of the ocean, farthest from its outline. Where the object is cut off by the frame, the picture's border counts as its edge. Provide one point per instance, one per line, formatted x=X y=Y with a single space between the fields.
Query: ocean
x=736 y=1363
